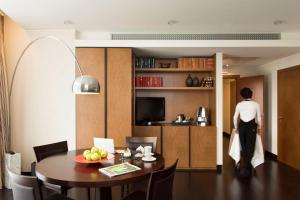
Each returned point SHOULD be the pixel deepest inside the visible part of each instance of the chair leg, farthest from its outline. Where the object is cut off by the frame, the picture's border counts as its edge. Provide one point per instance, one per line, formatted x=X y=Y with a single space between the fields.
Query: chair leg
x=89 y=193
x=64 y=190
x=122 y=191
x=127 y=189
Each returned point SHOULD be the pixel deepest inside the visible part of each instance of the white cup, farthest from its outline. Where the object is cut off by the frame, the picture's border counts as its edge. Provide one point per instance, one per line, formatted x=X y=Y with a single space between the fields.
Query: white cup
x=148 y=151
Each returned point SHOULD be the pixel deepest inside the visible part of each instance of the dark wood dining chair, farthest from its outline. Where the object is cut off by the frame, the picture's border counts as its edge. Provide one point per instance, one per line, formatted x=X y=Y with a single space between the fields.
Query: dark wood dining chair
x=28 y=188
x=47 y=150
x=134 y=142
x=160 y=186
x=44 y=151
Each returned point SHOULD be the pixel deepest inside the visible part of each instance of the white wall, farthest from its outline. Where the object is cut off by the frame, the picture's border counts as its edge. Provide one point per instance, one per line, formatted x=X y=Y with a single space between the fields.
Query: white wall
x=43 y=105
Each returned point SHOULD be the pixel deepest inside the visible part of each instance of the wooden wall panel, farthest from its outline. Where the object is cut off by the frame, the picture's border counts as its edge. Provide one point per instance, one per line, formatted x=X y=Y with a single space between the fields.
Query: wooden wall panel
x=176 y=145
x=203 y=147
x=149 y=131
x=119 y=94
x=90 y=108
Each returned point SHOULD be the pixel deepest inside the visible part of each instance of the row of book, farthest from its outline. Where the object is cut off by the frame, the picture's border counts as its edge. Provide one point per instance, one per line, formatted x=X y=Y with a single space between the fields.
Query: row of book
x=196 y=63
x=148 y=81
x=144 y=62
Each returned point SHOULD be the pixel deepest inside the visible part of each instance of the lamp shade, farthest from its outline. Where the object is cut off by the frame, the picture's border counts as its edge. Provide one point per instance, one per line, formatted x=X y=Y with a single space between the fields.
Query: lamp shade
x=86 y=84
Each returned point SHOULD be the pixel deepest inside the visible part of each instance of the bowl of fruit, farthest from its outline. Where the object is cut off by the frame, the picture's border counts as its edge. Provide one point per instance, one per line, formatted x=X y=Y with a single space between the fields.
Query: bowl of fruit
x=94 y=155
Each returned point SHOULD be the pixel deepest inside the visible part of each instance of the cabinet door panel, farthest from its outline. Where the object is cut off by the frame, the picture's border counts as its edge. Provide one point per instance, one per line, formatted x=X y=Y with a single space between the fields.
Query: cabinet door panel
x=149 y=131
x=203 y=147
x=90 y=108
x=176 y=145
x=119 y=94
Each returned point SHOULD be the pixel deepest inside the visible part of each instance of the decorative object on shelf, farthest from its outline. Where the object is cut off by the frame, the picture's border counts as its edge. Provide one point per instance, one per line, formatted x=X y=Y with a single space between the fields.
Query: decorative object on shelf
x=195 y=81
x=165 y=65
x=84 y=84
x=189 y=81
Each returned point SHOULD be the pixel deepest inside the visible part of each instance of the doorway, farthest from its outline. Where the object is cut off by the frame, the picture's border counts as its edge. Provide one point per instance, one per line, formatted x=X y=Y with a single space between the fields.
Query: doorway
x=232 y=84
x=229 y=102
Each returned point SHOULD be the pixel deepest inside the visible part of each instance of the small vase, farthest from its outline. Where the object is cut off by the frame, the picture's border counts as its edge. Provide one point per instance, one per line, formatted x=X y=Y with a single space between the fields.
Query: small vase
x=195 y=81
x=189 y=81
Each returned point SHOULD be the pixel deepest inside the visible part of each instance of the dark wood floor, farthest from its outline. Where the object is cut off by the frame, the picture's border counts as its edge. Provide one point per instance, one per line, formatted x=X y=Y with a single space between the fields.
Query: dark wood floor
x=273 y=181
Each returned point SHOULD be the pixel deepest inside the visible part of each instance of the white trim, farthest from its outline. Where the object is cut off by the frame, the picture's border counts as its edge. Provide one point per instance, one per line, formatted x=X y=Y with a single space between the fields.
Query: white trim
x=188 y=43
x=219 y=107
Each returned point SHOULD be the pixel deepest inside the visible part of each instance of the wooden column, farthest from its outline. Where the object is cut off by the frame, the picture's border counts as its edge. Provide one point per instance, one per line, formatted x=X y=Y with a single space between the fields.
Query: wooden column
x=119 y=94
x=90 y=109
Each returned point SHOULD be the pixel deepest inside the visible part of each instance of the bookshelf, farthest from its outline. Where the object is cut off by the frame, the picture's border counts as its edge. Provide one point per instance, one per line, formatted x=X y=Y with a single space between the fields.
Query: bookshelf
x=193 y=145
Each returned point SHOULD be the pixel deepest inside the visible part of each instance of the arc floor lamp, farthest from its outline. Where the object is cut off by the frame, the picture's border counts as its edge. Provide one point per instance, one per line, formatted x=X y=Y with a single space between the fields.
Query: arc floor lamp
x=84 y=84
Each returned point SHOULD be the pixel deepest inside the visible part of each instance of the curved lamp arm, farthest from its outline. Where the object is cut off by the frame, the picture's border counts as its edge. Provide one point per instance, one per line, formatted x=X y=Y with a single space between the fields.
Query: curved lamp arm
x=84 y=84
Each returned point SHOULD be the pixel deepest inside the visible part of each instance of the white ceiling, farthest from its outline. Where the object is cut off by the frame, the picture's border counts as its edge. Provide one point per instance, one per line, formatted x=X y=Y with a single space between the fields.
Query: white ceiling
x=193 y=16
x=201 y=16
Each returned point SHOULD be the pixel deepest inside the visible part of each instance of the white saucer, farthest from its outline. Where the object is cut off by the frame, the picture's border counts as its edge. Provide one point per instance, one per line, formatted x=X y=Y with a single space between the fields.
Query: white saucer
x=151 y=159
x=150 y=153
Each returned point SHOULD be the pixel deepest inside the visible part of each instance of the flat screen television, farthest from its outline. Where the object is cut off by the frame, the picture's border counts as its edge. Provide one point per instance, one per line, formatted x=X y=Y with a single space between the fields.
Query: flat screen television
x=149 y=109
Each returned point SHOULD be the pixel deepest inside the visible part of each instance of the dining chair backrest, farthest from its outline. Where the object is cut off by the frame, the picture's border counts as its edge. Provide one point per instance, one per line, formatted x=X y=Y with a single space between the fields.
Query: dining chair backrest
x=47 y=150
x=161 y=184
x=134 y=142
x=24 y=187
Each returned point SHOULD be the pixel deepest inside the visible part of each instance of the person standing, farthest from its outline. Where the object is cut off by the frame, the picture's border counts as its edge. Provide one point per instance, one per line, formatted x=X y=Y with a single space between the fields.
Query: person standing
x=248 y=126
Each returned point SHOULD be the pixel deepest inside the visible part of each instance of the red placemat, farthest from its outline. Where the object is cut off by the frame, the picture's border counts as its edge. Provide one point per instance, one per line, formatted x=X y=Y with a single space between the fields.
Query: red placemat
x=80 y=159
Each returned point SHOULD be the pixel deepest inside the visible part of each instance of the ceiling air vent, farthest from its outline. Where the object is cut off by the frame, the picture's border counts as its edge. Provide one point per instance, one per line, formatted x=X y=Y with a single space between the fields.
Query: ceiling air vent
x=229 y=36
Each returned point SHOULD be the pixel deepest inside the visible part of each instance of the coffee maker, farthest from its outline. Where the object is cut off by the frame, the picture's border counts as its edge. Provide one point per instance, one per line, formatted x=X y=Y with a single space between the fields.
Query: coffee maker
x=202 y=116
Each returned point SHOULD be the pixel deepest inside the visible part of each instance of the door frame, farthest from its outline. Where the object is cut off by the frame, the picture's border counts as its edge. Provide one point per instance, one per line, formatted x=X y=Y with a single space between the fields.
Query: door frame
x=231 y=76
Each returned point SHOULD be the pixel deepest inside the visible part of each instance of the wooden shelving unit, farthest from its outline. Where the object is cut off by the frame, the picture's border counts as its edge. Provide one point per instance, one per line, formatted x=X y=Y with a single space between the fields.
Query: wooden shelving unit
x=194 y=145
x=166 y=70
x=175 y=88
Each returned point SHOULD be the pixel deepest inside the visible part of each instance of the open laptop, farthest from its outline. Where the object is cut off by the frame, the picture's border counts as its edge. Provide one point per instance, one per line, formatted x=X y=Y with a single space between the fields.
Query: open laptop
x=105 y=144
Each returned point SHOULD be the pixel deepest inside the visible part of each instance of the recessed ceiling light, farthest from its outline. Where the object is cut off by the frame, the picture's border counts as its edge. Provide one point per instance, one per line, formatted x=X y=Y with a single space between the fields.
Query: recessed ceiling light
x=279 y=22
x=68 y=22
x=172 y=22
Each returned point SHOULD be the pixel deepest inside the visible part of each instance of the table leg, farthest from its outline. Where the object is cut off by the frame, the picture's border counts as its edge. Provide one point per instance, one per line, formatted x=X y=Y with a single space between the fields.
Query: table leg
x=104 y=193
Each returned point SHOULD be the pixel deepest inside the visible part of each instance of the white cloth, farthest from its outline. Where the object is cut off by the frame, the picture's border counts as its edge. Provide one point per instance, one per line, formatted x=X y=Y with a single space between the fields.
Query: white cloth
x=235 y=149
x=247 y=110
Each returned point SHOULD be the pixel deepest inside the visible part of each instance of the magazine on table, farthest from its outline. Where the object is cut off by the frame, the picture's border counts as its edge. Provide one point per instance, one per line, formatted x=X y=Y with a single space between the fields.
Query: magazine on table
x=119 y=169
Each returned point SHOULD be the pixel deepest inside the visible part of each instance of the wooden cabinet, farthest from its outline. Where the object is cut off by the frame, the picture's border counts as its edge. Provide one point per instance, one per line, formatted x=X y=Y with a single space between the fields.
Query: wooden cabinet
x=119 y=94
x=176 y=145
x=108 y=114
x=90 y=109
x=203 y=147
x=149 y=131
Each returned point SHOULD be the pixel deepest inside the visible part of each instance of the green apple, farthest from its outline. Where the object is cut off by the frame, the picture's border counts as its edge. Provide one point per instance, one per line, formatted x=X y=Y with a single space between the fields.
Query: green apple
x=104 y=154
x=88 y=156
x=95 y=156
x=95 y=150
x=86 y=152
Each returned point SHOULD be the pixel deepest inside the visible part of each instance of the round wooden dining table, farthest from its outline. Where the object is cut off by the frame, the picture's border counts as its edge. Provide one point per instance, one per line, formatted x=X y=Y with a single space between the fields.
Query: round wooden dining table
x=63 y=170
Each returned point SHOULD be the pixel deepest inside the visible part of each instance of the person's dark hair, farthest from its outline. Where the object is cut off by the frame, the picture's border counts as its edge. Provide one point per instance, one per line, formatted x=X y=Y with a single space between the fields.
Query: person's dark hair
x=246 y=93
